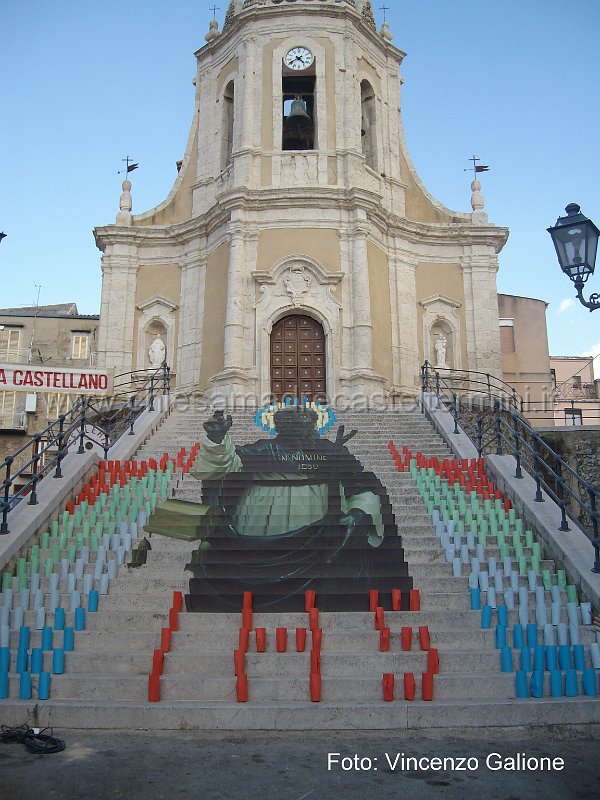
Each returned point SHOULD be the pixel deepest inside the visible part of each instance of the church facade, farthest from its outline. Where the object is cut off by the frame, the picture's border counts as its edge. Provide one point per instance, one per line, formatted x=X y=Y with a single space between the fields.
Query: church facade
x=298 y=252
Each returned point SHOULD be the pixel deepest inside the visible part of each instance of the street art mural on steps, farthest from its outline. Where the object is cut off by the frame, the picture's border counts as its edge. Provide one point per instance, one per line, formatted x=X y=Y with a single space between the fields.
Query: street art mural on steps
x=290 y=513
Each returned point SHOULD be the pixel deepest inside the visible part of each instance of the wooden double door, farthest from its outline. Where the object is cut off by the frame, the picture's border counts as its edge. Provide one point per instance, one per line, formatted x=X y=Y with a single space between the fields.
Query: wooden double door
x=298 y=358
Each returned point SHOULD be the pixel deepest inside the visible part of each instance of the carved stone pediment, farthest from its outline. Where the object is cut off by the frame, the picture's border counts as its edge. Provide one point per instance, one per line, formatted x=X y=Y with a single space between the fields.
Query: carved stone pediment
x=300 y=280
x=297 y=282
x=156 y=302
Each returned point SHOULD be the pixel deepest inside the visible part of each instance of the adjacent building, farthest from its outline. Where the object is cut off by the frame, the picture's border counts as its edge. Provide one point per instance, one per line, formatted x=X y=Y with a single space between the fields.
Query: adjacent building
x=42 y=337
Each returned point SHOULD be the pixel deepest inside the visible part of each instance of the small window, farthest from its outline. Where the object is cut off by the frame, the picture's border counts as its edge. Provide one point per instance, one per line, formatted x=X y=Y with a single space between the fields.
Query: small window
x=80 y=345
x=573 y=417
x=9 y=345
x=57 y=403
x=227 y=143
x=507 y=336
x=368 y=128
x=553 y=376
x=7 y=409
x=7 y=402
x=577 y=381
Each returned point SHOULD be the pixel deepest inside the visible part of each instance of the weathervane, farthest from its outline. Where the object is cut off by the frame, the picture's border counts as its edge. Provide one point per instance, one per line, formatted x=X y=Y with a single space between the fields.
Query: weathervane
x=477 y=167
x=129 y=166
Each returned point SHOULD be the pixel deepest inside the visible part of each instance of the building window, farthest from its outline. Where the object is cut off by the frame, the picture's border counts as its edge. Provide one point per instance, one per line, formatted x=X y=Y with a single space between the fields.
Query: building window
x=9 y=417
x=368 y=130
x=80 y=345
x=553 y=376
x=9 y=345
x=57 y=403
x=573 y=417
x=227 y=144
x=7 y=402
x=507 y=336
x=576 y=381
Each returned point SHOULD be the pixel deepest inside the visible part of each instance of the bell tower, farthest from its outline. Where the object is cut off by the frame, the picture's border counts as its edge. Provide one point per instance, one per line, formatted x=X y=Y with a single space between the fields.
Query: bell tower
x=296 y=199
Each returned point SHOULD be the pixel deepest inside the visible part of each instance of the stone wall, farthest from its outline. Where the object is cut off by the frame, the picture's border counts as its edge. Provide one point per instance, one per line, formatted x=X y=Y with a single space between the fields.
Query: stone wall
x=580 y=448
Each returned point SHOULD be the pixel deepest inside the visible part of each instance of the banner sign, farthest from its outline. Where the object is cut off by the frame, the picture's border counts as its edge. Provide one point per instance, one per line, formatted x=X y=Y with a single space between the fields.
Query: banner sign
x=28 y=378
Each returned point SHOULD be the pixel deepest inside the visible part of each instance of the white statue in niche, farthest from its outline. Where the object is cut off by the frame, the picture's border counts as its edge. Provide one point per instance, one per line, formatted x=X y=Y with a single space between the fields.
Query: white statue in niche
x=157 y=351
x=441 y=345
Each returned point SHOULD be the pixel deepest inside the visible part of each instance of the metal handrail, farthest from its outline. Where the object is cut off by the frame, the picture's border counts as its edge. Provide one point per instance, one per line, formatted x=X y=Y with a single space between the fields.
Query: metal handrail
x=476 y=384
x=500 y=427
x=98 y=420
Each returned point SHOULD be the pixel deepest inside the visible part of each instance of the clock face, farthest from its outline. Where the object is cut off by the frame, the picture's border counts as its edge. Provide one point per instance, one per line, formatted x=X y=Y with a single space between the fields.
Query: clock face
x=299 y=58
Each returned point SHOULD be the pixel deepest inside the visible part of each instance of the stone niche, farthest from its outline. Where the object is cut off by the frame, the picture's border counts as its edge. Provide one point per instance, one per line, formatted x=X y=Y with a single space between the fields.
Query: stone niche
x=442 y=345
x=156 y=320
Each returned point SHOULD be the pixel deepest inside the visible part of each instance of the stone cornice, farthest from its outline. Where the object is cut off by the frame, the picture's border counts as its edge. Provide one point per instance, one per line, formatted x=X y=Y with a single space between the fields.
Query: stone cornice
x=462 y=232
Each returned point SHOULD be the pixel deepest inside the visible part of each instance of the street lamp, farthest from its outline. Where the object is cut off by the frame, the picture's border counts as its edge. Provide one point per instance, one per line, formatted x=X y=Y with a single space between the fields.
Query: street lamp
x=575 y=238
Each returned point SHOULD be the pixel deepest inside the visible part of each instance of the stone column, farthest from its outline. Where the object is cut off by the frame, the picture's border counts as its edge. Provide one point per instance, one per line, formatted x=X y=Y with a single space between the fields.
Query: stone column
x=364 y=385
x=234 y=316
x=191 y=317
x=362 y=353
x=117 y=311
x=406 y=350
x=481 y=313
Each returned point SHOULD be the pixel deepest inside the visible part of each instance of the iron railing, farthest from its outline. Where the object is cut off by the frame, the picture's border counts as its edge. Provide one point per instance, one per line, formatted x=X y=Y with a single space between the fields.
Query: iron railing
x=92 y=420
x=13 y=420
x=478 y=385
x=495 y=425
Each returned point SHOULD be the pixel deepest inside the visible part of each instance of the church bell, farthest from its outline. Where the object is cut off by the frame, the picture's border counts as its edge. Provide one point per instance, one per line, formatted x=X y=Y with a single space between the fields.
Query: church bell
x=298 y=127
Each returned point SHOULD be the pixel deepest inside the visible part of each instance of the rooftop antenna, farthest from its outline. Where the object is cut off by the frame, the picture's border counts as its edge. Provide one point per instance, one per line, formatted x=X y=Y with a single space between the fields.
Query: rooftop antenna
x=39 y=287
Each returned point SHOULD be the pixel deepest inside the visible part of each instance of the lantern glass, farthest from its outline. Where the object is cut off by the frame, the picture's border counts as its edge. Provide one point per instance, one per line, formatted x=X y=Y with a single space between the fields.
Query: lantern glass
x=575 y=238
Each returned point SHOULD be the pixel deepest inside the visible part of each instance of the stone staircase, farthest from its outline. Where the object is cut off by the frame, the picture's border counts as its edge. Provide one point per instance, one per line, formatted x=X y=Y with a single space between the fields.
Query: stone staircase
x=105 y=683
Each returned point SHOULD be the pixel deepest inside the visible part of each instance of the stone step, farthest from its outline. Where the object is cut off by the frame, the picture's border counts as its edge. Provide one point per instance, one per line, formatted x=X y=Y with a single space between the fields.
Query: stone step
x=103 y=714
x=273 y=689
x=202 y=663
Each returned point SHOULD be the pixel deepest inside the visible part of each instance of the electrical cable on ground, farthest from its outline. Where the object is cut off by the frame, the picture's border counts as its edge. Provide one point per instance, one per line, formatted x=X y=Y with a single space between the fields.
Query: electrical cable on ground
x=40 y=744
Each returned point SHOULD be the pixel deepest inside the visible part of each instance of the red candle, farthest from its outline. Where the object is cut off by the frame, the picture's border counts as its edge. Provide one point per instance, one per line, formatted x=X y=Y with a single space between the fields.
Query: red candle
x=388 y=686
x=241 y=688
x=373 y=599
x=300 y=639
x=281 y=639
x=261 y=640
x=427 y=686
x=315 y=687
x=154 y=687
x=384 y=640
x=409 y=686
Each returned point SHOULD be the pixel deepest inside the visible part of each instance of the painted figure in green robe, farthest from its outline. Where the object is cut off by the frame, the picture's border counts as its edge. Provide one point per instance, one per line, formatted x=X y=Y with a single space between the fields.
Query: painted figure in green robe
x=297 y=509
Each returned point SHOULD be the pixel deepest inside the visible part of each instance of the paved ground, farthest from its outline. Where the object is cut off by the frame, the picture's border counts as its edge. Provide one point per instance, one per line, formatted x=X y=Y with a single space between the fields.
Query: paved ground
x=263 y=766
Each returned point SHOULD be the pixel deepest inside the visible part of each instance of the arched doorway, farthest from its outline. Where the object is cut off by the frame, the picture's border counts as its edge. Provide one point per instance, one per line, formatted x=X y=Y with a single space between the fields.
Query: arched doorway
x=298 y=358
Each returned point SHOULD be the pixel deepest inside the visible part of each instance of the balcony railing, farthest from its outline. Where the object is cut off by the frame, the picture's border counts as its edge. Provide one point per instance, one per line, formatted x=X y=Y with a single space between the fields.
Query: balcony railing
x=13 y=420
x=26 y=355
x=571 y=391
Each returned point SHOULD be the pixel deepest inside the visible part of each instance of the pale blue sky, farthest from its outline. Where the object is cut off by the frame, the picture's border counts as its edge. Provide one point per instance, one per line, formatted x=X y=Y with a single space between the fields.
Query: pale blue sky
x=515 y=82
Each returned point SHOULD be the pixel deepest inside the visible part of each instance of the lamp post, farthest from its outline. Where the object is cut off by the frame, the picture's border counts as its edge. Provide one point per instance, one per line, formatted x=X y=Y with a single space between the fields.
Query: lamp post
x=575 y=238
